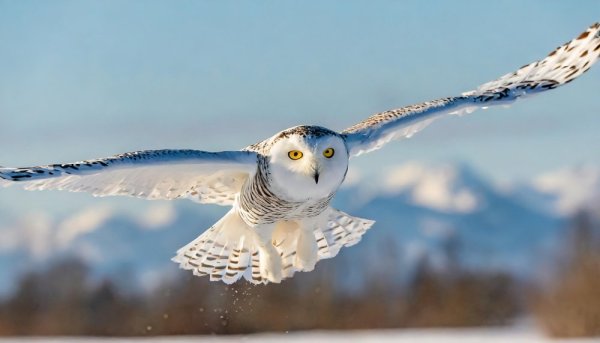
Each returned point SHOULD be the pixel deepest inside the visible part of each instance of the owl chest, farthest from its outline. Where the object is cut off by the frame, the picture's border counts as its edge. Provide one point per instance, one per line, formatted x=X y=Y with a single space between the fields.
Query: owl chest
x=258 y=204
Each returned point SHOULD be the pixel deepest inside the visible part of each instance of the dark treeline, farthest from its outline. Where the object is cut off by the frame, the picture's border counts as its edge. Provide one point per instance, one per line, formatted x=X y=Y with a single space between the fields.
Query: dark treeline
x=571 y=306
x=63 y=301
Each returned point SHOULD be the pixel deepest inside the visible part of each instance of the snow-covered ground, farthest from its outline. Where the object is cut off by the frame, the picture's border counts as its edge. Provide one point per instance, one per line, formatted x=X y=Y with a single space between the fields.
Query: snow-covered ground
x=512 y=335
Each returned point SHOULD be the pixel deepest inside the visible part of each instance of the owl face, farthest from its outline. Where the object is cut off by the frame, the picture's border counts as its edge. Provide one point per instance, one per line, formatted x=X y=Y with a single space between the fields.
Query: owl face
x=308 y=166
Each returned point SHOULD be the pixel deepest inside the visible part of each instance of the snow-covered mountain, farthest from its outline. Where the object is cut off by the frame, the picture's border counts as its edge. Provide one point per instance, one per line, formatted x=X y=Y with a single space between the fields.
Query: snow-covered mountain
x=450 y=209
x=421 y=210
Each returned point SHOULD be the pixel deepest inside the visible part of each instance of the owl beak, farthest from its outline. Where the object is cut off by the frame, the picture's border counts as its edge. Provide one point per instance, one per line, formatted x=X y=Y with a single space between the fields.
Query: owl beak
x=316 y=168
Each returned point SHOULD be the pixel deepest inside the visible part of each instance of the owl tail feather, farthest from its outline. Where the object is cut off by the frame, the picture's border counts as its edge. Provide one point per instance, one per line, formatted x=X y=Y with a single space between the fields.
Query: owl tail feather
x=342 y=230
x=339 y=230
x=230 y=249
x=225 y=252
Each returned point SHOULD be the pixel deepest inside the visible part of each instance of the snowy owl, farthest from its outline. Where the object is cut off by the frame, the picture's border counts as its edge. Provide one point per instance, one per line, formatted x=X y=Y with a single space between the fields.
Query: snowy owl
x=280 y=189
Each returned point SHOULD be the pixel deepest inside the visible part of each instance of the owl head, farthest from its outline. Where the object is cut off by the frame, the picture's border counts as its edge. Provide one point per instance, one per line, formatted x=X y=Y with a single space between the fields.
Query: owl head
x=307 y=162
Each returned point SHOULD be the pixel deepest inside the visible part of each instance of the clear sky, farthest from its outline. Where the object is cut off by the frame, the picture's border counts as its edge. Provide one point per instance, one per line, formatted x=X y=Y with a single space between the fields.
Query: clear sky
x=86 y=79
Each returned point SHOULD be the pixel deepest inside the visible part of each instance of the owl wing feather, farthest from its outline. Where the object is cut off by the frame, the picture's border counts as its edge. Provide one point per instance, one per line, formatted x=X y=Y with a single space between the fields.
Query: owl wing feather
x=206 y=177
x=561 y=66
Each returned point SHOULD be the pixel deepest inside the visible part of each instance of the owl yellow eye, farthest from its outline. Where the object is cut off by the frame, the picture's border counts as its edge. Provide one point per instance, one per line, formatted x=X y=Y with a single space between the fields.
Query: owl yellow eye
x=295 y=154
x=328 y=152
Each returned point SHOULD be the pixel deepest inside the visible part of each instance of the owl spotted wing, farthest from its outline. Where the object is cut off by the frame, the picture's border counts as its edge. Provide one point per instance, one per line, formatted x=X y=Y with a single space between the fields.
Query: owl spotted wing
x=206 y=177
x=560 y=67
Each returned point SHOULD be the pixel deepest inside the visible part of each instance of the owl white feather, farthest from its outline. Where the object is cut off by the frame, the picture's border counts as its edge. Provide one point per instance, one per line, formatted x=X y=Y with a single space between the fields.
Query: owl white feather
x=279 y=189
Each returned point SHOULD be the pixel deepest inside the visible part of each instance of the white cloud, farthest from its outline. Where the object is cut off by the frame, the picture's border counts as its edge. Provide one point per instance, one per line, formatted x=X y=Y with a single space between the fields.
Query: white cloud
x=353 y=177
x=434 y=187
x=574 y=188
x=9 y=239
x=157 y=216
x=41 y=235
x=37 y=234
x=33 y=232
x=89 y=252
x=81 y=223
x=403 y=176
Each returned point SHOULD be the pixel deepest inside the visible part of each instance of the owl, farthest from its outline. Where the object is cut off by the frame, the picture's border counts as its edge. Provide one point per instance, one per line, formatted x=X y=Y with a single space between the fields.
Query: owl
x=279 y=190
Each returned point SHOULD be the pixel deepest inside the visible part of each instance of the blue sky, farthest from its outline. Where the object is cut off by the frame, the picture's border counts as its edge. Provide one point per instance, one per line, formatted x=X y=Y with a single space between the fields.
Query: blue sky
x=86 y=79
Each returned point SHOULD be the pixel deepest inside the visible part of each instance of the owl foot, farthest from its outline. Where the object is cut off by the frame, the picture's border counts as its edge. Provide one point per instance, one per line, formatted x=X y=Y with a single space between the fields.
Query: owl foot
x=270 y=264
x=306 y=252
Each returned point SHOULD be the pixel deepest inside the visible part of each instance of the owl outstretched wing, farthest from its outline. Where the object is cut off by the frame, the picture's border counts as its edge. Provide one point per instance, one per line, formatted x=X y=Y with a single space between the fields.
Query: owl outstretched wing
x=206 y=177
x=561 y=66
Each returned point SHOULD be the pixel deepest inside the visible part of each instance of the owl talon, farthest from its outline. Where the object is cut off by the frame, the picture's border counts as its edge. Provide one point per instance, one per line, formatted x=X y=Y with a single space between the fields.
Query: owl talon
x=307 y=252
x=270 y=266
